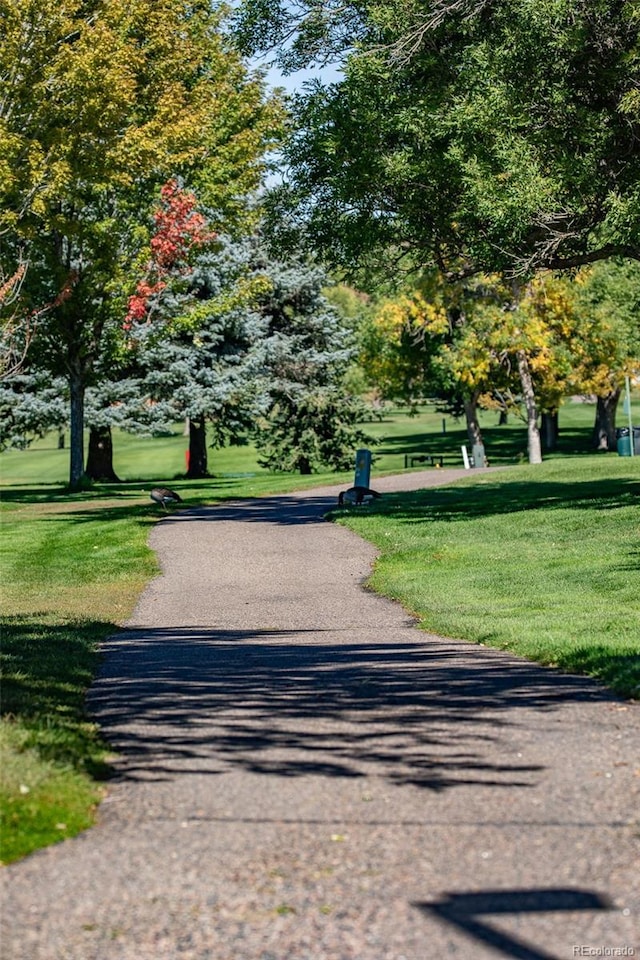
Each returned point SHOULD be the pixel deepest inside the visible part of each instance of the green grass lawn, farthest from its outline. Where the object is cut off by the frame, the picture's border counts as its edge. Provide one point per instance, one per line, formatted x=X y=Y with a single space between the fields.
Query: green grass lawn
x=542 y=560
x=397 y=433
x=71 y=569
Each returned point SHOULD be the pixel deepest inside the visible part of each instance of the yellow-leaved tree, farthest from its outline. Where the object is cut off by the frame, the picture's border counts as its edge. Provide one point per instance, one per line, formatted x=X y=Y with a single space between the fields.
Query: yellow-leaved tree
x=606 y=340
x=394 y=353
x=441 y=340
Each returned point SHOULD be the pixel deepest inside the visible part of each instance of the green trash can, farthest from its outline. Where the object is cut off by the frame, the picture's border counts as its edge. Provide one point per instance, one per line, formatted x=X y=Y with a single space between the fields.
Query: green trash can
x=623 y=441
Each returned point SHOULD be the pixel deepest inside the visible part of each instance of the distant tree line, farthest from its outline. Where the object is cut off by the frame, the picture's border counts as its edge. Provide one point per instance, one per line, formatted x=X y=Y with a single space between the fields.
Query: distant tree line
x=471 y=346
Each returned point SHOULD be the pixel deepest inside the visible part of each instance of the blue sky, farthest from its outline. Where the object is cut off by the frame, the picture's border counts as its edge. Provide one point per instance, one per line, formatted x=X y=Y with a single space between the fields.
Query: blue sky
x=294 y=82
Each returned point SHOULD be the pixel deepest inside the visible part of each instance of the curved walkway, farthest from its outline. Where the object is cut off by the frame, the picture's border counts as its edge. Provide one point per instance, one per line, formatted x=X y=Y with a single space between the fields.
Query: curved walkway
x=302 y=774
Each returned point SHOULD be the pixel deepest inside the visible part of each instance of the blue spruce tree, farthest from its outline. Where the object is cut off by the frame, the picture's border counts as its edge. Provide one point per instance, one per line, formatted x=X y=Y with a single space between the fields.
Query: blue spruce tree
x=198 y=356
x=310 y=419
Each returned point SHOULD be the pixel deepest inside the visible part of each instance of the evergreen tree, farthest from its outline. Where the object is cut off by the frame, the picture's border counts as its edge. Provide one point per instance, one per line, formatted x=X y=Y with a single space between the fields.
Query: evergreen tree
x=310 y=420
x=238 y=341
x=30 y=405
x=197 y=355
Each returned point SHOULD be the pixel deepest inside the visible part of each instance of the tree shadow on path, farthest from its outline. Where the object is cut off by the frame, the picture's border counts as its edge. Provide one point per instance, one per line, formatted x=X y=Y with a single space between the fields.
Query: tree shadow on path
x=200 y=700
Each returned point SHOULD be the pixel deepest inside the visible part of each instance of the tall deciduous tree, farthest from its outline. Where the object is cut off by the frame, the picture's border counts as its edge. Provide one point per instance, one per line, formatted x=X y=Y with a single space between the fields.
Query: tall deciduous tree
x=441 y=340
x=606 y=342
x=102 y=102
x=506 y=134
x=480 y=136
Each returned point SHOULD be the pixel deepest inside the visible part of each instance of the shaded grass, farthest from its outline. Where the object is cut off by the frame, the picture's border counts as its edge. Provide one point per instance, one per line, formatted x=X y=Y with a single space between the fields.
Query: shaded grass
x=430 y=431
x=542 y=561
x=52 y=757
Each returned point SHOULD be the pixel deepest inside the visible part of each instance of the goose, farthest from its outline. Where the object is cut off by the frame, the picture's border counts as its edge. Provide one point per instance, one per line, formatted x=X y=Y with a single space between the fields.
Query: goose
x=164 y=496
x=357 y=495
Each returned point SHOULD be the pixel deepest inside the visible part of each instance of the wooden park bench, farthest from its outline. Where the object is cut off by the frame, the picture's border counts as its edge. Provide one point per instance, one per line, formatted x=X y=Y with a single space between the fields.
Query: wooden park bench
x=435 y=459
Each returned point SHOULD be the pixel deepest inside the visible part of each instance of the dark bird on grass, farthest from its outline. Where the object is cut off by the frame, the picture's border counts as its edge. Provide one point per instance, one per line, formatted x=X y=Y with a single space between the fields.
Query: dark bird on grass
x=357 y=495
x=164 y=496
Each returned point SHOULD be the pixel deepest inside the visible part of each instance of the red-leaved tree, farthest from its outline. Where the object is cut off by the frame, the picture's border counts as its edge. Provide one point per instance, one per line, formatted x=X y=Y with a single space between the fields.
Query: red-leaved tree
x=180 y=229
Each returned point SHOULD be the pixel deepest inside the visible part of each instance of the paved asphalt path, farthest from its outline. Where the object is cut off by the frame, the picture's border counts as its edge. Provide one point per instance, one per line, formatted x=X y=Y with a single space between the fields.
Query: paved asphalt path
x=302 y=774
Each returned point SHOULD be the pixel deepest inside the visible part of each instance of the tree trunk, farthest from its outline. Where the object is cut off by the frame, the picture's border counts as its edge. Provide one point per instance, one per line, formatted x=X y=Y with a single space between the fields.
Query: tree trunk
x=529 y=396
x=474 y=432
x=549 y=429
x=197 y=449
x=60 y=439
x=100 y=458
x=604 y=430
x=76 y=432
x=304 y=466
x=503 y=419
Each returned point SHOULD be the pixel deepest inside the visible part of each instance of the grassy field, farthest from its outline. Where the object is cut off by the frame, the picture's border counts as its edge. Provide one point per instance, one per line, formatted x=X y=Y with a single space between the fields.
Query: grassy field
x=73 y=565
x=543 y=561
x=396 y=434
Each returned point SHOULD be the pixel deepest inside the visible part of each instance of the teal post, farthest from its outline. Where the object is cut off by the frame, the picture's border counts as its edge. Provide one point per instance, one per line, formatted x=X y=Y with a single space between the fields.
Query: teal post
x=478 y=455
x=363 y=469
